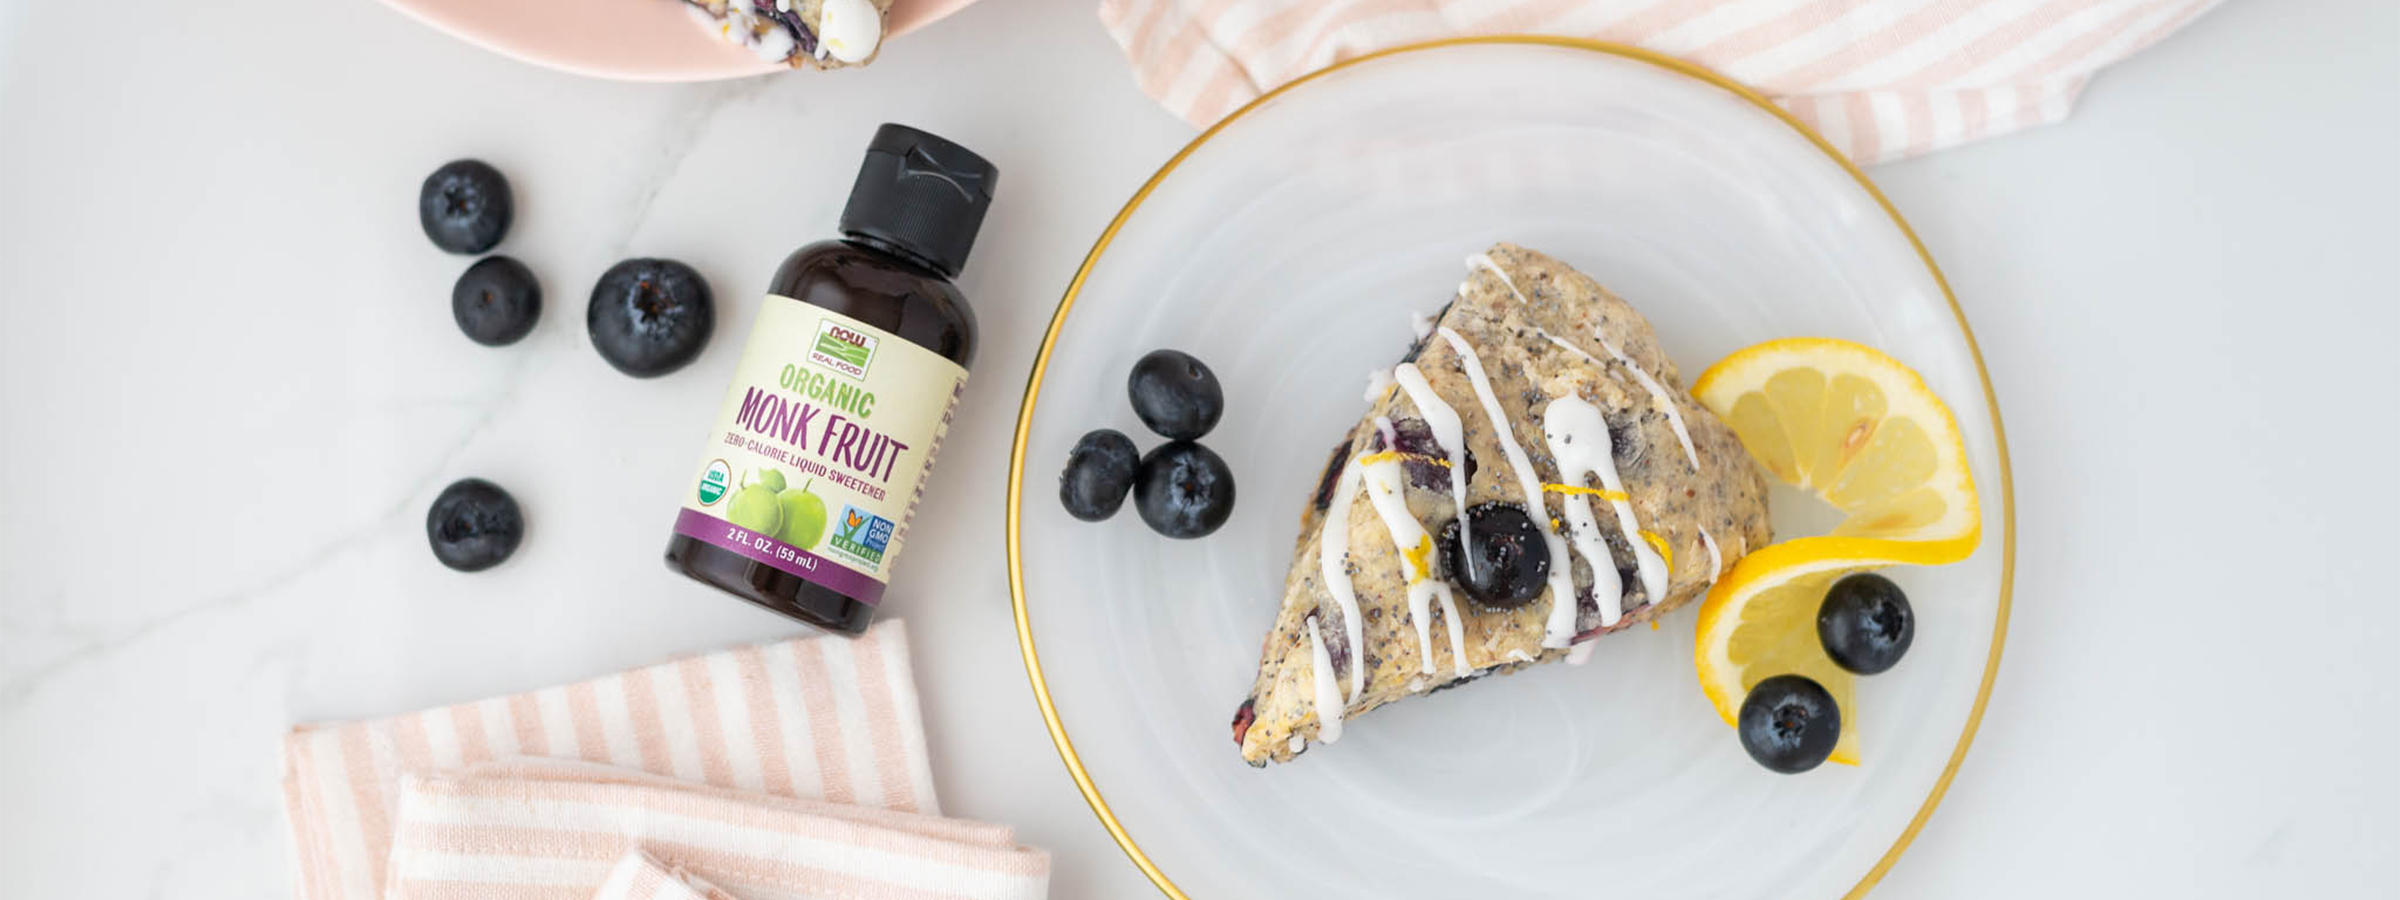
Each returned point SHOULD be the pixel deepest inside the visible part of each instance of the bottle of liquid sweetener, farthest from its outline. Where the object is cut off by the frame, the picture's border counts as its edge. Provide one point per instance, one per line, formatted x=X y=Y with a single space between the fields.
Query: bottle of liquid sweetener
x=858 y=356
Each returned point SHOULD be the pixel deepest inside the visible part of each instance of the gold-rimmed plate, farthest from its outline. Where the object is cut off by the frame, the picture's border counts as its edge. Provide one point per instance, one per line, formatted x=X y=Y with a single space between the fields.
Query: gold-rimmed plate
x=1287 y=247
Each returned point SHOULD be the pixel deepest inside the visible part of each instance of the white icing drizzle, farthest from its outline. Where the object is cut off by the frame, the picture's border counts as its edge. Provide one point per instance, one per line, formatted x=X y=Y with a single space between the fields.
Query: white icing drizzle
x=1420 y=323
x=1333 y=550
x=1329 y=698
x=1715 y=561
x=1519 y=655
x=1484 y=260
x=1646 y=562
x=1580 y=442
x=1658 y=394
x=1571 y=348
x=1658 y=397
x=848 y=30
x=1562 y=585
x=1447 y=431
x=1384 y=481
x=1378 y=381
x=1383 y=426
x=1580 y=653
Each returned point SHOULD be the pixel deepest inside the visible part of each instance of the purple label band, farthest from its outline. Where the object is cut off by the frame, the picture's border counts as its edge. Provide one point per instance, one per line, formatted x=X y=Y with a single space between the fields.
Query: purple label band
x=719 y=533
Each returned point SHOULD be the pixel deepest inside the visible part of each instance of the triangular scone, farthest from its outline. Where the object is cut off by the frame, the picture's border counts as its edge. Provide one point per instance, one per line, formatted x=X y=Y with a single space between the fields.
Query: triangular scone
x=1562 y=360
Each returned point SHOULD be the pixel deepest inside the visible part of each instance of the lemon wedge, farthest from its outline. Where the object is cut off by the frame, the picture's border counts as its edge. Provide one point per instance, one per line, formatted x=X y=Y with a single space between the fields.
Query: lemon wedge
x=1862 y=432
x=1856 y=428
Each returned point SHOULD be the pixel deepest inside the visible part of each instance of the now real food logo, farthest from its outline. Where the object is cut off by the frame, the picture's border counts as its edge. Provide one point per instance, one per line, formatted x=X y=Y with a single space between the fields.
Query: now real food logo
x=841 y=349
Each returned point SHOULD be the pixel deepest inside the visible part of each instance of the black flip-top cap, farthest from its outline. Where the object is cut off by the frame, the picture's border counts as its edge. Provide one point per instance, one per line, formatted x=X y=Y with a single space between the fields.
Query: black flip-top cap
x=922 y=193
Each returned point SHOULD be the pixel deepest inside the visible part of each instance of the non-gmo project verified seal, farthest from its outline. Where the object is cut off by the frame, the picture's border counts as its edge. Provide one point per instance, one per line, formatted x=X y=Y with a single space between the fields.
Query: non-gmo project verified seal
x=842 y=349
x=861 y=534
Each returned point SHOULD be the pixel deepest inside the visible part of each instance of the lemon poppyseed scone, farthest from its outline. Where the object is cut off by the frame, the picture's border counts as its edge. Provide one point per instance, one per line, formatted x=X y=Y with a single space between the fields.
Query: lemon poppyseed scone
x=1598 y=496
x=822 y=34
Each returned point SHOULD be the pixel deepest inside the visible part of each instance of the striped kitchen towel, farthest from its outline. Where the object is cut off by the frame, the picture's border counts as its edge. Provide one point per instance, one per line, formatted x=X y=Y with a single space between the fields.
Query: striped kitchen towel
x=639 y=877
x=822 y=718
x=1880 y=79
x=535 y=831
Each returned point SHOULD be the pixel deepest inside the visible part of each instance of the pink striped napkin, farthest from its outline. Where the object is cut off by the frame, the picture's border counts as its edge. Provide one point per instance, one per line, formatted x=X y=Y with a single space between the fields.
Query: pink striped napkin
x=542 y=830
x=1880 y=79
x=638 y=877
x=824 y=718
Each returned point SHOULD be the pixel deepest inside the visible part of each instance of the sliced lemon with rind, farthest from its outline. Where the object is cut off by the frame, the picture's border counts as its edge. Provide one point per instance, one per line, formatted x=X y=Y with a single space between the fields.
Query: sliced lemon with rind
x=1863 y=432
x=1760 y=621
x=1855 y=427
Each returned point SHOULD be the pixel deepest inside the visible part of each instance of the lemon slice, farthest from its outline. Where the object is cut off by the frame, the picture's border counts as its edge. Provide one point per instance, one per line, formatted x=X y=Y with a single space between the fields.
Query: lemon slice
x=1760 y=621
x=1862 y=432
x=1856 y=428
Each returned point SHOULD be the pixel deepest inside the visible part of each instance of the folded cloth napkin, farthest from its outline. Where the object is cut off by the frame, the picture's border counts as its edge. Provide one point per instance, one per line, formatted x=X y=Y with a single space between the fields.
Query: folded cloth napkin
x=1880 y=79
x=822 y=718
x=540 y=829
x=639 y=877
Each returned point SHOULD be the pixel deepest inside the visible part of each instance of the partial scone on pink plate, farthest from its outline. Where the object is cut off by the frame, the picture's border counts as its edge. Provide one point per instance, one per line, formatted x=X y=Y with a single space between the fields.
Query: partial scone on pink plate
x=1598 y=496
x=820 y=34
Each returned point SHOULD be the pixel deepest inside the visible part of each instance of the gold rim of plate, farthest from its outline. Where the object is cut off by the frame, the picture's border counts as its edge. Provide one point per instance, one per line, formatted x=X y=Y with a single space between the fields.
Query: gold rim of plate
x=1041 y=364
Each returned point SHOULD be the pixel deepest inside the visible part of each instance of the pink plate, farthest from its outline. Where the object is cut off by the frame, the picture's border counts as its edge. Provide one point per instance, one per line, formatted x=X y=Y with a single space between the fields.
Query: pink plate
x=627 y=40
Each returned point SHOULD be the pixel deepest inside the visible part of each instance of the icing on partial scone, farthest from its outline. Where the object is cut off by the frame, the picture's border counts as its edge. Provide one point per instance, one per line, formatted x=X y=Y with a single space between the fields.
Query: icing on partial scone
x=824 y=34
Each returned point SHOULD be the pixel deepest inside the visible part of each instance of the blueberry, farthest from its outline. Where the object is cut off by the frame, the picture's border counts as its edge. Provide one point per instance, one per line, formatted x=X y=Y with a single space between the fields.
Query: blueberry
x=496 y=301
x=1243 y=718
x=1332 y=476
x=465 y=206
x=1183 y=490
x=1175 y=395
x=474 y=525
x=1865 y=623
x=1789 y=723
x=1099 y=473
x=1424 y=458
x=650 y=317
x=1511 y=561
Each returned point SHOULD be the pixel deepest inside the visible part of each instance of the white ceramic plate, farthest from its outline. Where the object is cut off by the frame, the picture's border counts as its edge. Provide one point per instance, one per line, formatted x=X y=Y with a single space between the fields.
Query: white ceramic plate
x=1286 y=248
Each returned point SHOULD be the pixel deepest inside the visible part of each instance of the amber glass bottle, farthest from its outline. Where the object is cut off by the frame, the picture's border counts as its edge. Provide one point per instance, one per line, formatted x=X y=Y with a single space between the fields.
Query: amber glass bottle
x=857 y=358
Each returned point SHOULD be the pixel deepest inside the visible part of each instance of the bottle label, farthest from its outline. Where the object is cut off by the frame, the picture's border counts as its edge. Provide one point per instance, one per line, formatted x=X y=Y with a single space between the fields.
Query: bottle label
x=820 y=454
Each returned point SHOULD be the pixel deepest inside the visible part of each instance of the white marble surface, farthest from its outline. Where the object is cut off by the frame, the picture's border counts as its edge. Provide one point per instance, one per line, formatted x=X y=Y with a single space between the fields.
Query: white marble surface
x=231 y=385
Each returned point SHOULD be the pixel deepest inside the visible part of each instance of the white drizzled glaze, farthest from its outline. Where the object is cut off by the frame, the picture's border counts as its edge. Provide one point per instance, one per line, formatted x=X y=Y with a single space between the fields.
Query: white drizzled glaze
x=1329 y=697
x=1384 y=480
x=1443 y=422
x=1647 y=564
x=1571 y=348
x=1715 y=561
x=1333 y=551
x=1518 y=655
x=1658 y=395
x=1580 y=653
x=1484 y=260
x=848 y=30
x=1580 y=442
x=1562 y=585
x=1383 y=426
x=1420 y=323
x=1378 y=381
